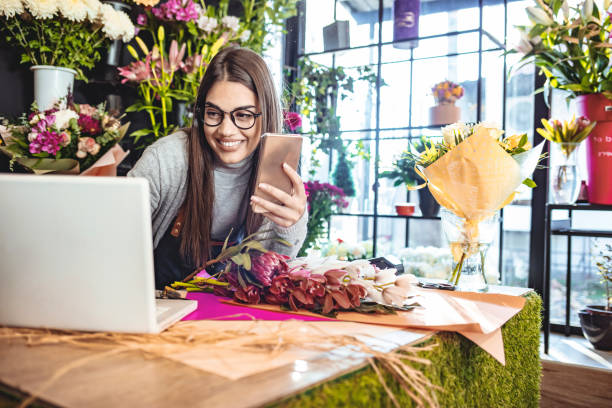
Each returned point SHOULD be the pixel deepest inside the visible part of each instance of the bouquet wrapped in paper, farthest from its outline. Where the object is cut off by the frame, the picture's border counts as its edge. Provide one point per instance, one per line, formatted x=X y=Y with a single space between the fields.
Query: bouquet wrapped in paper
x=473 y=172
x=79 y=139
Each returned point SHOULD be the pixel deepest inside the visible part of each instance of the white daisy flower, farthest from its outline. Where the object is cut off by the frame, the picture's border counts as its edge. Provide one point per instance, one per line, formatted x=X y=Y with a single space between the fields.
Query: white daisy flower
x=41 y=8
x=231 y=22
x=128 y=27
x=9 y=8
x=246 y=34
x=62 y=118
x=207 y=24
x=73 y=10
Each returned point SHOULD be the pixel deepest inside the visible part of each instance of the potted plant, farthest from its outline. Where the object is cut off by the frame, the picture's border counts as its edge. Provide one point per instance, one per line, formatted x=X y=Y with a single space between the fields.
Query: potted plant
x=61 y=39
x=445 y=94
x=596 y=320
x=317 y=92
x=571 y=47
x=403 y=172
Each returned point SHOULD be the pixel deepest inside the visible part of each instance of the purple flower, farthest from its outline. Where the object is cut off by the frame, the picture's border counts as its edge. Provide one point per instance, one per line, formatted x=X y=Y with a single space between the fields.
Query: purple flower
x=141 y=19
x=46 y=141
x=177 y=10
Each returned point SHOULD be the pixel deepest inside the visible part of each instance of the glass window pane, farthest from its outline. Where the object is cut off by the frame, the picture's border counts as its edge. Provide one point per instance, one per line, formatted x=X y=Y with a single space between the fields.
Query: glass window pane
x=351 y=229
x=319 y=13
x=437 y=17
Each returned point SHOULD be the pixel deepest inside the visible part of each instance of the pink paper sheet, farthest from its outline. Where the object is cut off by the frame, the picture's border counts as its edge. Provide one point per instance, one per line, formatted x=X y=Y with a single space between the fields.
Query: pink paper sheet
x=210 y=307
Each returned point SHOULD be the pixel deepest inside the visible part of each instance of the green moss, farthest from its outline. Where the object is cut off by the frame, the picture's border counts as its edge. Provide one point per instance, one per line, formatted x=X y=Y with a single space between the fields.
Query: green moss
x=469 y=376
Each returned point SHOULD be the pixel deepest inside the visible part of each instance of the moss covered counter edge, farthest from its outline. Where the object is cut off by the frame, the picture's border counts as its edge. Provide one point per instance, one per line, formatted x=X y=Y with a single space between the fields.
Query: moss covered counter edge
x=468 y=375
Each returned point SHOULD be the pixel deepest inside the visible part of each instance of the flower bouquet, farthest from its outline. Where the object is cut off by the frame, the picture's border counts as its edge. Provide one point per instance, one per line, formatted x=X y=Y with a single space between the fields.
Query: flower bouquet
x=254 y=275
x=472 y=173
x=566 y=137
x=445 y=93
x=80 y=139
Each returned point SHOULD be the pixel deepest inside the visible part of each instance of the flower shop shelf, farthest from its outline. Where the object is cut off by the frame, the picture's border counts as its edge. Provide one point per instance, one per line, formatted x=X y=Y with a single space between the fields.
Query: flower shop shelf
x=420 y=217
x=467 y=375
x=564 y=228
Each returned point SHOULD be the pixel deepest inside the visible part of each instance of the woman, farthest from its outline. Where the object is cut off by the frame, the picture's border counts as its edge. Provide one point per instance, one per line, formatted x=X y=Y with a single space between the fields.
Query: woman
x=202 y=180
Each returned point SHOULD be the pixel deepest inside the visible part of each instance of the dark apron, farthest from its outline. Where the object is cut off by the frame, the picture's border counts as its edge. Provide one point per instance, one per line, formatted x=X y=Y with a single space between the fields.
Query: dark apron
x=170 y=266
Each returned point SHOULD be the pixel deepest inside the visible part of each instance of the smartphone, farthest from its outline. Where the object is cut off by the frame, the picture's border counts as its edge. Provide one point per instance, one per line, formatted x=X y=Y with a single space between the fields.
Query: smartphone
x=275 y=150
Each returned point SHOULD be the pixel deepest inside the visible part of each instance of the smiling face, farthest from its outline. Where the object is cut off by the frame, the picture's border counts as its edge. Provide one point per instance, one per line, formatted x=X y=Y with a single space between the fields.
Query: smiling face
x=230 y=143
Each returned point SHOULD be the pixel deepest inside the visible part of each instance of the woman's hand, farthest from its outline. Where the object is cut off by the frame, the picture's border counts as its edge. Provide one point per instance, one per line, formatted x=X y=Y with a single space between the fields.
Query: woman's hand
x=292 y=207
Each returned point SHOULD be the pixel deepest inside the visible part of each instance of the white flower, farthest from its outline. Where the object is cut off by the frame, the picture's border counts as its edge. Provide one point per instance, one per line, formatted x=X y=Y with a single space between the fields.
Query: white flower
x=9 y=8
x=395 y=295
x=455 y=131
x=207 y=24
x=73 y=10
x=41 y=8
x=36 y=118
x=385 y=276
x=93 y=9
x=32 y=136
x=116 y=24
x=246 y=34
x=406 y=280
x=489 y=128
x=539 y=16
x=360 y=269
x=587 y=9
x=81 y=154
x=231 y=22
x=62 y=118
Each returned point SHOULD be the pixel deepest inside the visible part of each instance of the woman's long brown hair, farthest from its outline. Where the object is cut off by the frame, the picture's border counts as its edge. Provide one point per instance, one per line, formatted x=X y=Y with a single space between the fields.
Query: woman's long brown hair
x=249 y=69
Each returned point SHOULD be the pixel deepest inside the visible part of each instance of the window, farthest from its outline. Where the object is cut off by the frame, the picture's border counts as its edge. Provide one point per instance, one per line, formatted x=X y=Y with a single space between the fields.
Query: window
x=458 y=41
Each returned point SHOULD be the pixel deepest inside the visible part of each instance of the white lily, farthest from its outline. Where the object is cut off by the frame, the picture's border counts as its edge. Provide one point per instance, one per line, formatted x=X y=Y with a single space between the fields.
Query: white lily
x=539 y=16
x=587 y=9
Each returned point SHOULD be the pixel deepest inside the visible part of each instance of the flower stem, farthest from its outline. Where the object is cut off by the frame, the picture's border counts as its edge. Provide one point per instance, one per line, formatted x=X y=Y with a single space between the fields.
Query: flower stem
x=457 y=271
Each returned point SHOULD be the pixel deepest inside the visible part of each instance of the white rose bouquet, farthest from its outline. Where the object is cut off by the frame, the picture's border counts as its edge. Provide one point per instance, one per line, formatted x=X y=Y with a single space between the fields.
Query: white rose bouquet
x=62 y=33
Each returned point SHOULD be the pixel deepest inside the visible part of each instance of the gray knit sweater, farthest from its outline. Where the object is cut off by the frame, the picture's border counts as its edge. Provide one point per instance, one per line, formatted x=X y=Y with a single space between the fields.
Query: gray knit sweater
x=164 y=165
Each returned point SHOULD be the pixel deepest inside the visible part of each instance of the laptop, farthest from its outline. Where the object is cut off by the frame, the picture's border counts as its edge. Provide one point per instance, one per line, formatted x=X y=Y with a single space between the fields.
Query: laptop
x=76 y=253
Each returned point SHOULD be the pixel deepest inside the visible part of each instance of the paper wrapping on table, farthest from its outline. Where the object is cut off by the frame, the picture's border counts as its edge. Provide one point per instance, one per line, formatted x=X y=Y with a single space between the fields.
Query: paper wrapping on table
x=477 y=316
x=235 y=357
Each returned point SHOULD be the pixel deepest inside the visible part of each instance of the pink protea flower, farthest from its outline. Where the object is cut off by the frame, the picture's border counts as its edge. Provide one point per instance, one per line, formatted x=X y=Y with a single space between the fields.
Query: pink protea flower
x=251 y=294
x=267 y=265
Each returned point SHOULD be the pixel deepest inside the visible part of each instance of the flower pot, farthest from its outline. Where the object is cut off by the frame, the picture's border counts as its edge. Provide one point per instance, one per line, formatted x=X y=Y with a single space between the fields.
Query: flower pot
x=405 y=209
x=597 y=107
x=596 y=325
x=444 y=114
x=115 y=49
x=427 y=203
x=51 y=84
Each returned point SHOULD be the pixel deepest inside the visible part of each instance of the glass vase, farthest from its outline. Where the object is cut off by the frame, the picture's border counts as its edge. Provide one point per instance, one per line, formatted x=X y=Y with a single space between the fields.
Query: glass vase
x=565 y=181
x=469 y=243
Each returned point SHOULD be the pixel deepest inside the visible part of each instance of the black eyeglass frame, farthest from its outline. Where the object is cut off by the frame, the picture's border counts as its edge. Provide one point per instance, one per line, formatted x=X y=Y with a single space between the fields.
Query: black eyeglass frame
x=231 y=114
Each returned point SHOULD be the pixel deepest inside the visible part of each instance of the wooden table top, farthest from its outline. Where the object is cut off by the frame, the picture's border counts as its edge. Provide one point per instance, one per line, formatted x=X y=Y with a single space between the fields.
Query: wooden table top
x=136 y=379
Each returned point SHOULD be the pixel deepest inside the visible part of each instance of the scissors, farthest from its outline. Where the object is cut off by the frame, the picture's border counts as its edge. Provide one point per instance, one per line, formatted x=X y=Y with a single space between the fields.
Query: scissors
x=432 y=285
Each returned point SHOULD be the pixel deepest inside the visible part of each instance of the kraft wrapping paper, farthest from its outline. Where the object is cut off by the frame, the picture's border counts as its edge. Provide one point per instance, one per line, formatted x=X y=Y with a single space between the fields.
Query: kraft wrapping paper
x=477 y=316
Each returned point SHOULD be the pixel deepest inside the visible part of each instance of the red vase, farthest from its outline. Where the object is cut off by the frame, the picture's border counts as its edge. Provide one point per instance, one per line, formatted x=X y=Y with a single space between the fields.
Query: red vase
x=597 y=107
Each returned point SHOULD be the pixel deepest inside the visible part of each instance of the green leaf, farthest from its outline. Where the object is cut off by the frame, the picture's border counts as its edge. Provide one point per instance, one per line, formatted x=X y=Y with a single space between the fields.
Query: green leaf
x=529 y=183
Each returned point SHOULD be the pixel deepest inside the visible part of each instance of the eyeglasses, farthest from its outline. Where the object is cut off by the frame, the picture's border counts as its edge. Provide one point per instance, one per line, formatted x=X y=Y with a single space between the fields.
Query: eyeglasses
x=241 y=117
